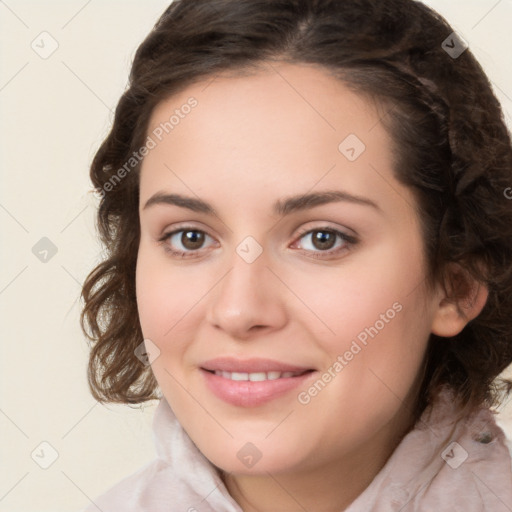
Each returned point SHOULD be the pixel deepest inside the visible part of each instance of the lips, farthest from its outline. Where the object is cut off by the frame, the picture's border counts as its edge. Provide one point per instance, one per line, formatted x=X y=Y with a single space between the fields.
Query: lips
x=252 y=382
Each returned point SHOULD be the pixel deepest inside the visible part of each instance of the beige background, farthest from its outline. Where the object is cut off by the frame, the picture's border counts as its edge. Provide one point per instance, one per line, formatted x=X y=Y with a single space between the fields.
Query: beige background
x=54 y=113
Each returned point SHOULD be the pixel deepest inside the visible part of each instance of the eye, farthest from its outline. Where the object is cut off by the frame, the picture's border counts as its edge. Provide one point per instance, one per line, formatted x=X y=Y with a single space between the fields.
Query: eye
x=326 y=242
x=187 y=240
x=323 y=242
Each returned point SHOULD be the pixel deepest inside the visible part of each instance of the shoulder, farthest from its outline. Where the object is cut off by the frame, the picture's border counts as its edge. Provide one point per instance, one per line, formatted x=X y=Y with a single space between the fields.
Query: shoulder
x=160 y=487
x=474 y=471
x=508 y=444
x=508 y=439
x=131 y=494
x=446 y=463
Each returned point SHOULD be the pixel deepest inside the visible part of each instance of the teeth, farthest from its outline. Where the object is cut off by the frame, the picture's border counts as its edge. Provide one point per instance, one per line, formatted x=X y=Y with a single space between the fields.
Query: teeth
x=256 y=376
x=239 y=376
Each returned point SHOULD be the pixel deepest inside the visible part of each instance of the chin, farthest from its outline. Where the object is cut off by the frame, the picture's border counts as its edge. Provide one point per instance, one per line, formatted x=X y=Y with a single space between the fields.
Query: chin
x=246 y=458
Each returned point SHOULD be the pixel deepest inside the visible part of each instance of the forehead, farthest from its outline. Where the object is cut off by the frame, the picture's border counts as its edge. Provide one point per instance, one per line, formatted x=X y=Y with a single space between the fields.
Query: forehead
x=285 y=99
x=283 y=127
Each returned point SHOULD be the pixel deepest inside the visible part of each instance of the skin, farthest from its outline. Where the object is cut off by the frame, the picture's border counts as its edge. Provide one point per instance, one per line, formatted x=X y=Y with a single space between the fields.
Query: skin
x=250 y=141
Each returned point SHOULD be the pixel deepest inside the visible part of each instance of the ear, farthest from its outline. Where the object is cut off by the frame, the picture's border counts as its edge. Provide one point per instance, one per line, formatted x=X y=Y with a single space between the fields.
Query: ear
x=459 y=303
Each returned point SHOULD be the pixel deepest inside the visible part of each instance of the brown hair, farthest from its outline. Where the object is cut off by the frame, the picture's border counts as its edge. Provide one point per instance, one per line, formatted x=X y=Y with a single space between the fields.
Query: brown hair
x=451 y=147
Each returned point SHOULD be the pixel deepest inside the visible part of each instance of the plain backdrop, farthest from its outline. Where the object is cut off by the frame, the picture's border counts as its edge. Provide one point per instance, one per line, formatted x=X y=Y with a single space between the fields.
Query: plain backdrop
x=55 y=109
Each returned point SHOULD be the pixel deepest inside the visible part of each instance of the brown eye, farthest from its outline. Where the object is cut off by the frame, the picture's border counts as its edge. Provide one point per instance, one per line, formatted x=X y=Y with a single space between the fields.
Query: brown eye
x=323 y=239
x=192 y=240
x=325 y=242
x=185 y=242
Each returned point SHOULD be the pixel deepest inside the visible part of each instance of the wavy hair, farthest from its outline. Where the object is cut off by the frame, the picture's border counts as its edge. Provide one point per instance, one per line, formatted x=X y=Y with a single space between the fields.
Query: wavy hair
x=451 y=146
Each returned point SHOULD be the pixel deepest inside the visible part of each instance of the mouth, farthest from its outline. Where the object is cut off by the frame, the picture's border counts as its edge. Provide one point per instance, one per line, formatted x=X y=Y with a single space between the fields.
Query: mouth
x=256 y=376
x=249 y=383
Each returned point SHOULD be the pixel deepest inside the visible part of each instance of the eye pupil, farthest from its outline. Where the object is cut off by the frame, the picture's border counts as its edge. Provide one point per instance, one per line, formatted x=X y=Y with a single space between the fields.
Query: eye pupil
x=324 y=239
x=192 y=239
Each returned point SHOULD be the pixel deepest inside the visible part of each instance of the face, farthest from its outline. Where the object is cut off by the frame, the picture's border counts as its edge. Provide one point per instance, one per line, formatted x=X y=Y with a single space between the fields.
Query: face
x=291 y=331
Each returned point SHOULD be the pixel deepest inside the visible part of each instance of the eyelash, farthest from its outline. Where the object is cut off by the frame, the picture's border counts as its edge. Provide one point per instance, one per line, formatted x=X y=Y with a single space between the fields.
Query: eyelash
x=350 y=241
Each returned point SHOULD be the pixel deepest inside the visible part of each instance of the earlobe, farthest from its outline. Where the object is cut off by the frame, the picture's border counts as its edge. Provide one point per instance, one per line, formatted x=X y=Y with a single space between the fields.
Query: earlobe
x=452 y=315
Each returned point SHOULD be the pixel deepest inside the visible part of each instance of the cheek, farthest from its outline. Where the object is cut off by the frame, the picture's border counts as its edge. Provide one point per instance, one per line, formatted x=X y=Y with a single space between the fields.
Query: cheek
x=379 y=325
x=164 y=296
x=372 y=365
x=375 y=295
x=166 y=302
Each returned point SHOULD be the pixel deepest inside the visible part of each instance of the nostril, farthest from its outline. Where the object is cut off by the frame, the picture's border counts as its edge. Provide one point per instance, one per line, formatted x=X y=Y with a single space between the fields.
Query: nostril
x=257 y=327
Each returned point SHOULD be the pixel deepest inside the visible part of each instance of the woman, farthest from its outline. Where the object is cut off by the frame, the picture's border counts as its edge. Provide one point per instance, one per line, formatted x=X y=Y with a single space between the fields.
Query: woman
x=308 y=232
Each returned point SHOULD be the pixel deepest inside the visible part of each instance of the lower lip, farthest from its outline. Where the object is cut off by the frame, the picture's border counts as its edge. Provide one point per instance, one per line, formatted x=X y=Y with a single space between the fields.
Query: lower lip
x=247 y=393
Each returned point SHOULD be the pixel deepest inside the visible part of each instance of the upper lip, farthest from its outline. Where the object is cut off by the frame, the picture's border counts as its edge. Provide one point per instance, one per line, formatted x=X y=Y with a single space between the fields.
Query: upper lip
x=254 y=365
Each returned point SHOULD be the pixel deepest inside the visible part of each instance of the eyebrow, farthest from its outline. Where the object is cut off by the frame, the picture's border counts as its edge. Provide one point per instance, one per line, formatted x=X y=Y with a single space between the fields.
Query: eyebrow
x=281 y=207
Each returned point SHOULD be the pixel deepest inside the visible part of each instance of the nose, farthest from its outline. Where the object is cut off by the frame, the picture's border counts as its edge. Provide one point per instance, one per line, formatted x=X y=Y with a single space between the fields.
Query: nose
x=248 y=301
